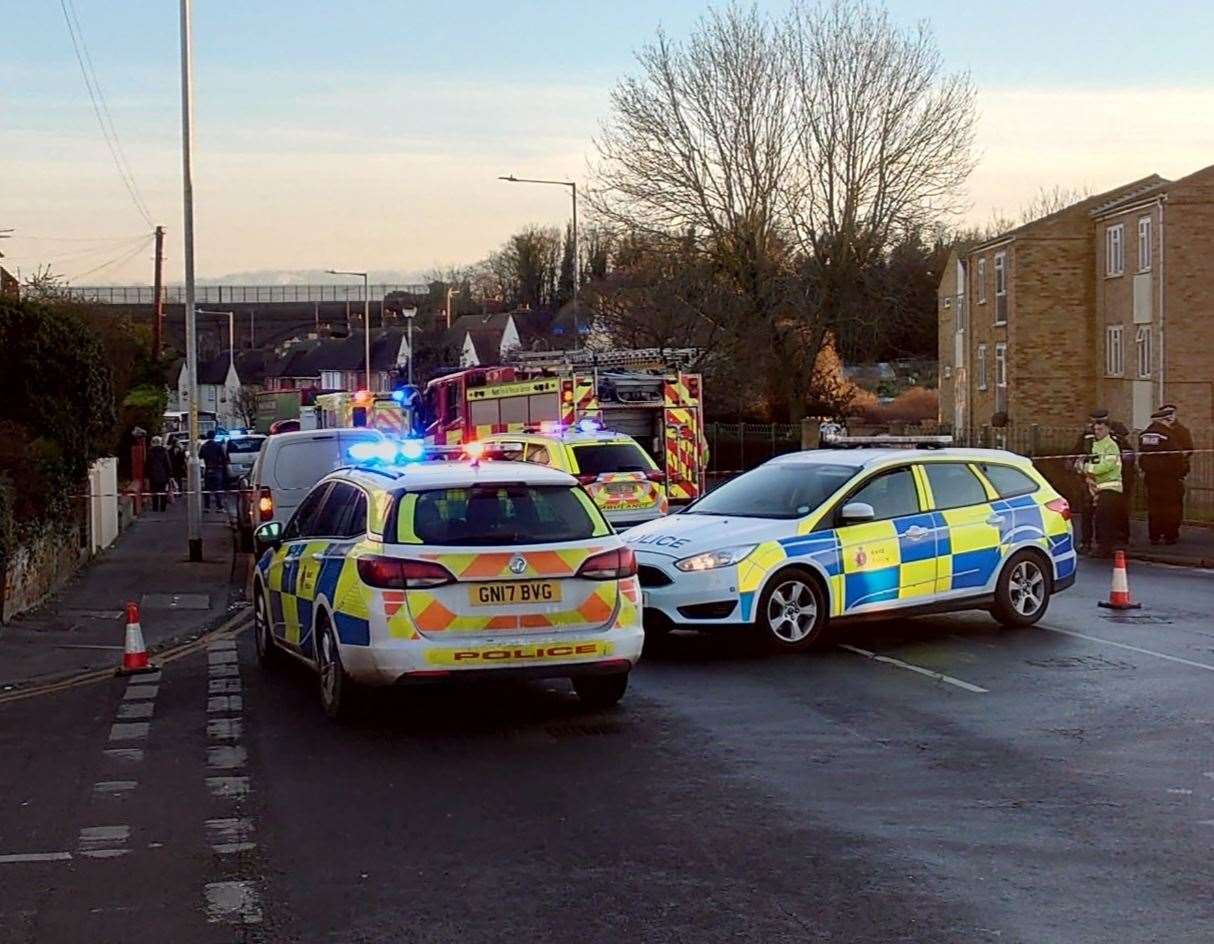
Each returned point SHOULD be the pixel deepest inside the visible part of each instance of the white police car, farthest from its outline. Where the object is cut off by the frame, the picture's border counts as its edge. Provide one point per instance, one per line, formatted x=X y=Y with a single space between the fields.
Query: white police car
x=400 y=573
x=812 y=538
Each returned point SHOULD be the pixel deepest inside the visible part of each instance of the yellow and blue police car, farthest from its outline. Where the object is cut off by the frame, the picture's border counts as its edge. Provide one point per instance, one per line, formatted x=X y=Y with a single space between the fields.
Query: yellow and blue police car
x=811 y=539
x=616 y=472
x=422 y=571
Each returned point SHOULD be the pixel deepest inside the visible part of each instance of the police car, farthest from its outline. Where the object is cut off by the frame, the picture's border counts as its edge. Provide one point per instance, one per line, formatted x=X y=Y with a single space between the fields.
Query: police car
x=398 y=573
x=812 y=538
x=616 y=472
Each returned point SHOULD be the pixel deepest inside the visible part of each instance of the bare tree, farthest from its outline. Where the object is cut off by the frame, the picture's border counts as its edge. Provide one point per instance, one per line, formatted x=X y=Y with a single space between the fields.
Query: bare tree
x=246 y=404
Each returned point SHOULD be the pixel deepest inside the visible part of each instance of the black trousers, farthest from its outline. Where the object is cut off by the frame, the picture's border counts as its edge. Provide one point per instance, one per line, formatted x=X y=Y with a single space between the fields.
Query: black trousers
x=1108 y=520
x=1087 y=517
x=1165 y=508
x=160 y=497
x=1127 y=503
x=213 y=485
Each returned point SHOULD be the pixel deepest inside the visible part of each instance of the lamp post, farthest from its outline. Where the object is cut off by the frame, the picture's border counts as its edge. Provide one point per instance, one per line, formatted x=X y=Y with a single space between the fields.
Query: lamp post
x=577 y=337
x=410 y=314
x=366 y=314
x=194 y=486
x=451 y=293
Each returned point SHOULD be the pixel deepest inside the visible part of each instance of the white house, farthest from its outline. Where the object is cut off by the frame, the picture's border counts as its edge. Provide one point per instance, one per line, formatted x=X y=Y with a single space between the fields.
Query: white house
x=218 y=390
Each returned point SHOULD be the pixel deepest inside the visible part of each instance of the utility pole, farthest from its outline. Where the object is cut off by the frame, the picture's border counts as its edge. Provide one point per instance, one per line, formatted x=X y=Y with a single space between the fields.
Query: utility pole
x=366 y=314
x=194 y=490
x=316 y=316
x=410 y=314
x=252 y=329
x=158 y=295
x=450 y=293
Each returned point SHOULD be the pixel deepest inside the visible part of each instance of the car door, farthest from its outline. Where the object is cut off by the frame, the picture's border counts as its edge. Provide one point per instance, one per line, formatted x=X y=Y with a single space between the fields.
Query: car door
x=889 y=561
x=968 y=546
x=283 y=572
x=321 y=556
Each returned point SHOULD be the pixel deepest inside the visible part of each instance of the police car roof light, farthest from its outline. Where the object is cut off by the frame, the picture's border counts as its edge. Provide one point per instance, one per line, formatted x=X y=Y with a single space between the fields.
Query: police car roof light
x=904 y=442
x=589 y=425
x=411 y=450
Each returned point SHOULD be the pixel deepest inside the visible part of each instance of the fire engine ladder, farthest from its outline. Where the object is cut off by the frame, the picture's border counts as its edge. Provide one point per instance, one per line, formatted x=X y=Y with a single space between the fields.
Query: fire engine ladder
x=651 y=358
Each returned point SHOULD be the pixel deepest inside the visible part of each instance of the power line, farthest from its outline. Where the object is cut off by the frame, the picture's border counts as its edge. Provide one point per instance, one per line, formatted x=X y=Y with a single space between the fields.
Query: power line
x=124 y=257
x=100 y=108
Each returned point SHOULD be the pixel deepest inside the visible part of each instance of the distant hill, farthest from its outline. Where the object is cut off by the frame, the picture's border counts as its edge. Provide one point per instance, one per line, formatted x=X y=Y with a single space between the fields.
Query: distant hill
x=310 y=277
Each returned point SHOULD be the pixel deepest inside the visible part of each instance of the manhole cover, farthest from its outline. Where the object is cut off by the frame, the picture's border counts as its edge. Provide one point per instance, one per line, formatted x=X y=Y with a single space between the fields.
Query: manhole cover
x=176 y=601
x=1144 y=619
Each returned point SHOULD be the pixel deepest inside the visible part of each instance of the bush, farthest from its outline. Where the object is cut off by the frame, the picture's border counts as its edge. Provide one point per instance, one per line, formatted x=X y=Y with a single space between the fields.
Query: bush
x=916 y=405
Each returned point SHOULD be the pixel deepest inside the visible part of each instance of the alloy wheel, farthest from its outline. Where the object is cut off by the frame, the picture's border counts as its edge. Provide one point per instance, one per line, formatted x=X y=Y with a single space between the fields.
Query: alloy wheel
x=792 y=611
x=1026 y=588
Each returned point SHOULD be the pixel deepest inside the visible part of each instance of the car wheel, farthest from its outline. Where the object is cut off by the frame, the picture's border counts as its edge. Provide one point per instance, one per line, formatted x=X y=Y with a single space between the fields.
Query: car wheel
x=600 y=691
x=1023 y=591
x=792 y=615
x=263 y=636
x=337 y=692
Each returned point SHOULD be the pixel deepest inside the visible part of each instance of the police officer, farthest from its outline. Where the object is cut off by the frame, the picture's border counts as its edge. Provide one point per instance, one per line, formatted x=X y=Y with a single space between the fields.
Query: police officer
x=1180 y=434
x=1084 y=501
x=1103 y=473
x=1164 y=466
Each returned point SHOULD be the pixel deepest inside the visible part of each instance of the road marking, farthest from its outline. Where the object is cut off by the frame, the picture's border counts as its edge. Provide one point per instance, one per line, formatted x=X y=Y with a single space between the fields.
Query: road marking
x=140 y=692
x=146 y=678
x=1179 y=791
x=36 y=857
x=114 y=786
x=226 y=757
x=226 y=670
x=232 y=903
x=222 y=686
x=223 y=645
x=223 y=729
x=103 y=842
x=938 y=676
x=1139 y=649
x=125 y=754
x=222 y=703
x=221 y=656
x=230 y=835
x=136 y=709
x=132 y=731
x=228 y=786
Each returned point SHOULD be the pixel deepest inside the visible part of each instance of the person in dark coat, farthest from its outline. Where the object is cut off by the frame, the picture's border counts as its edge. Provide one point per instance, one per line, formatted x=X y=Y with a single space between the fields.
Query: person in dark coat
x=1164 y=465
x=178 y=457
x=159 y=470
x=1180 y=434
x=215 y=458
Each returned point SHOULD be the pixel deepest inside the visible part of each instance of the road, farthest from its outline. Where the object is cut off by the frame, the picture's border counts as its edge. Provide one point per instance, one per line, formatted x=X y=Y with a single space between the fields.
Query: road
x=961 y=783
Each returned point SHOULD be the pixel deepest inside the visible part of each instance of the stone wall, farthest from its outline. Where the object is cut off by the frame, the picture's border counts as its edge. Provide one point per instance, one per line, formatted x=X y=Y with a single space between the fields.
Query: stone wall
x=38 y=568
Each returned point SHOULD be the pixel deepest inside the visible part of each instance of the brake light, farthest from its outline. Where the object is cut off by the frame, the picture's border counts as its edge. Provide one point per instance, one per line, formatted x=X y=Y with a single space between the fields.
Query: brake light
x=265 y=505
x=1060 y=506
x=587 y=479
x=610 y=565
x=656 y=475
x=395 y=573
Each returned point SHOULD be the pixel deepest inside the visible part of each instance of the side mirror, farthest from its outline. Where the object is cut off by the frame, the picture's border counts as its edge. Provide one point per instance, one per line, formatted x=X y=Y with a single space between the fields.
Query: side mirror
x=856 y=513
x=269 y=534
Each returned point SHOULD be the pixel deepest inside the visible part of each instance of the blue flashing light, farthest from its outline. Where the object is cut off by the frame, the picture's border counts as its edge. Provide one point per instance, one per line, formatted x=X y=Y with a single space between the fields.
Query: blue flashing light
x=412 y=449
x=398 y=396
x=372 y=452
x=589 y=426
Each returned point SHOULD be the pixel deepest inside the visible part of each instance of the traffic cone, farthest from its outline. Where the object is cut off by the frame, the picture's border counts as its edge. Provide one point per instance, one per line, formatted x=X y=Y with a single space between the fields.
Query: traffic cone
x=1119 y=592
x=135 y=652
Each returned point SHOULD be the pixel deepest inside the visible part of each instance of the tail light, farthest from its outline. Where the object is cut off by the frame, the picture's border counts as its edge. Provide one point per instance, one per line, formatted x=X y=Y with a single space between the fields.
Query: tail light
x=1060 y=506
x=587 y=479
x=265 y=505
x=656 y=475
x=610 y=565
x=395 y=573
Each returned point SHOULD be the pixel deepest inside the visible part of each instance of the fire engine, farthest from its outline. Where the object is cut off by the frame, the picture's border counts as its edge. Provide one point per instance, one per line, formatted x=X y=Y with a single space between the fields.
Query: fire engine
x=646 y=394
x=394 y=414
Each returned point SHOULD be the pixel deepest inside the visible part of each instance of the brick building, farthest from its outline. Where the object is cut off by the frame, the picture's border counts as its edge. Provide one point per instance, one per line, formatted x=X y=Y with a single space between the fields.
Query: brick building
x=1106 y=302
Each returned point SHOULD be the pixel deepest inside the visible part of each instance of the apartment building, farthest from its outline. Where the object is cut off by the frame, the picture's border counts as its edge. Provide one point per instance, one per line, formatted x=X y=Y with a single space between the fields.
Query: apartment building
x=1105 y=302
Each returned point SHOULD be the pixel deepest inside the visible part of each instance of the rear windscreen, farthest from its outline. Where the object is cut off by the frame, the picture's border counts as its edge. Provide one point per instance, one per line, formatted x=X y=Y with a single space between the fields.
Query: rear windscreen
x=499 y=514
x=598 y=458
x=249 y=445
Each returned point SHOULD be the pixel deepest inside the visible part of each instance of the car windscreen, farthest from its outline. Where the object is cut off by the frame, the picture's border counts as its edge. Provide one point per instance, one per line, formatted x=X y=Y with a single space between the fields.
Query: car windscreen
x=777 y=490
x=598 y=458
x=245 y=444
x=500 y=514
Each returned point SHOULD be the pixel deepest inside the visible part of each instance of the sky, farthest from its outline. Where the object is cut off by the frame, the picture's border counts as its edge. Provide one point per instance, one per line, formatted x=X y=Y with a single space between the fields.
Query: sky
x=370 y=134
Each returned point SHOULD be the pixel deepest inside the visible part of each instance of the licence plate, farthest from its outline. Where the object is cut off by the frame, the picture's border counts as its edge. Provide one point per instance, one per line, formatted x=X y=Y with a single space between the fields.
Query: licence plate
x=621 y=489
x=508 y=594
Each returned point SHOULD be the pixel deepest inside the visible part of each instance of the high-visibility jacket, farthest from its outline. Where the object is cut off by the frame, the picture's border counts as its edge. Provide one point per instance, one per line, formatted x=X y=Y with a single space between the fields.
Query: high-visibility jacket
x=1104 y=467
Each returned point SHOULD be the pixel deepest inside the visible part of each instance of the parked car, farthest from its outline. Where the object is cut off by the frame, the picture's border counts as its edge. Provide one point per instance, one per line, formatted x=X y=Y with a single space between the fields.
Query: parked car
x=242 y=453
x=286 y=468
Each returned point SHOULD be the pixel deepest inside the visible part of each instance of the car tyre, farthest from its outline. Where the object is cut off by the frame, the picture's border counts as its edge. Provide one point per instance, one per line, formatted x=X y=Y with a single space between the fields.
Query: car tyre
x=600 y=691
x=1022 y=593
x=338 y=692
x=792 y=615
x=263 y=637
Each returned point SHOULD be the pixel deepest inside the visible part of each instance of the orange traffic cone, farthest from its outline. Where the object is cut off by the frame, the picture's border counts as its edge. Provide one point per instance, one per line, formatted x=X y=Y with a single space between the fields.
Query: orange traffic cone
x=1119 y=593
x=135 y=652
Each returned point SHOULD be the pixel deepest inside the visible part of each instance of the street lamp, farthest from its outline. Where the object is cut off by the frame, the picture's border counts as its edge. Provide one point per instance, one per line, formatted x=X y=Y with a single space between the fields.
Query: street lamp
x=193 y=469
x=576 y=261
x=366 y=314
x=410 y=314
x=451 y=293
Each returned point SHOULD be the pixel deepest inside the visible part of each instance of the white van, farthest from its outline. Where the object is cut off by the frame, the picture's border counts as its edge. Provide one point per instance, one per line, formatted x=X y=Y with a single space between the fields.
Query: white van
x=287 y=467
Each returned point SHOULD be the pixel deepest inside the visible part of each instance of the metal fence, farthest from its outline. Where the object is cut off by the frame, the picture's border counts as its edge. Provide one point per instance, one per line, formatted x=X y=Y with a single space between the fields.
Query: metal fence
x=240 y=294
x=736 y=447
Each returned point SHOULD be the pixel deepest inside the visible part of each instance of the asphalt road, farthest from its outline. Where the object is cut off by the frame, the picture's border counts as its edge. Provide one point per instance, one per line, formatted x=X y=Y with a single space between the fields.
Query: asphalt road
x=940 y=781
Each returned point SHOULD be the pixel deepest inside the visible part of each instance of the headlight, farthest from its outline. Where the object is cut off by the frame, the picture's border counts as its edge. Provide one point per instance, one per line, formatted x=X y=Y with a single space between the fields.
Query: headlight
x=710 y=560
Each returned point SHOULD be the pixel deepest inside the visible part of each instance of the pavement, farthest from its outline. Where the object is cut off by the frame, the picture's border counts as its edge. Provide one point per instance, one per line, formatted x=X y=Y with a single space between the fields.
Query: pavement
x=1195 y=548
x=931 y=780
x=81 y=626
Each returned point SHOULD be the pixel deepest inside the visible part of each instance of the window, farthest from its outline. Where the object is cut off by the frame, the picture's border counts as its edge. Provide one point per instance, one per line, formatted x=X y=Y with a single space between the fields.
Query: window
x=892 y=495
x=301 y=522
x=981 y=281
x=1114 y=250
x=954 y=484
x=981 y=366
x=1008 y=482
x=948 y=302
x=504 y=514
x=329 y=522
x=1114 y=355
x=1142 y=345
x=1144 y=244
x=331 y=380
x=1001 y=288
x=611 y=457
x=775 y=490
x=538 y=455
x=1001 y=378
x=355 y=523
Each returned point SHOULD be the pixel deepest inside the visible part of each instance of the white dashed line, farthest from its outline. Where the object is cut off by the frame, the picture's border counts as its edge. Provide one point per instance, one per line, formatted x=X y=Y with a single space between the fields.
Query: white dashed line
x=226 y=670
x=223 y=657
x=133 y=731
x=938 y=676
x=223 y=686
x=224 y=729
x=230 y=835
x=147 y=678
x=226 y=757
x=136 y=709
x=1139 y=649
x=140 y=692
x=1179 y=791
x=228 y=786
x=133 y=754
x=103 y=842
x=36 y=857
x=232 y=903
x=222 y=645
x=114 y=786
x=222 y=703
